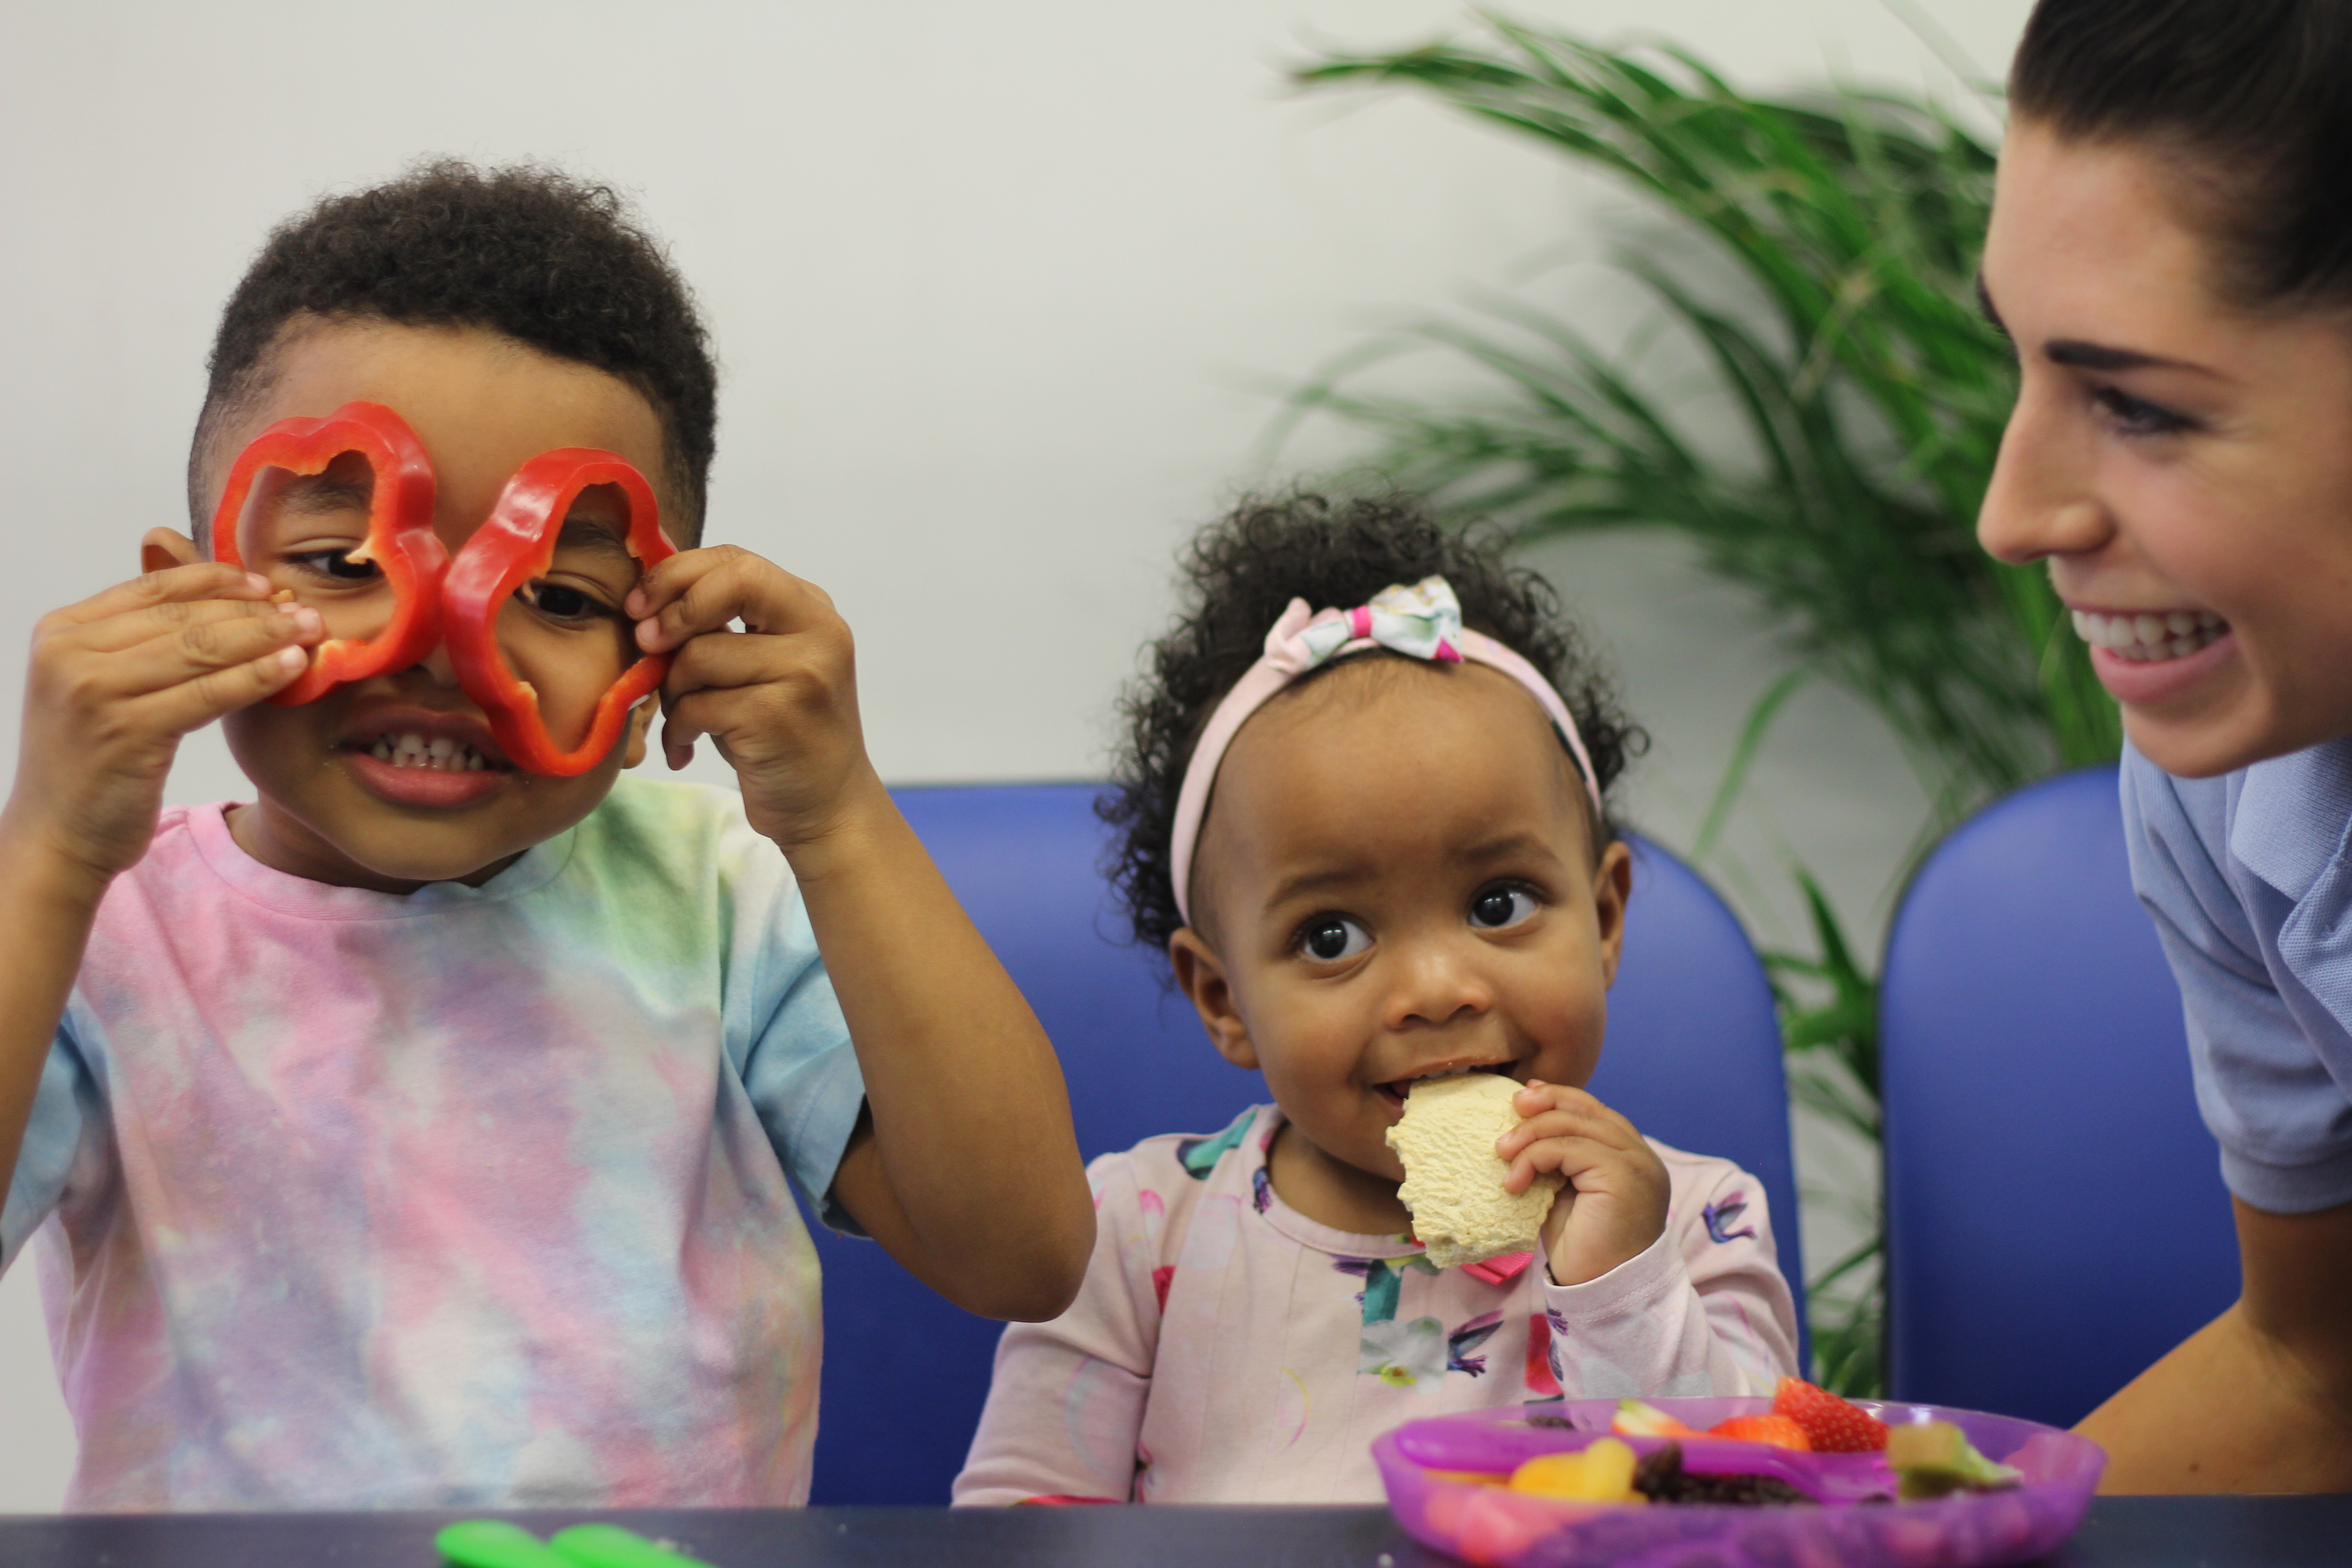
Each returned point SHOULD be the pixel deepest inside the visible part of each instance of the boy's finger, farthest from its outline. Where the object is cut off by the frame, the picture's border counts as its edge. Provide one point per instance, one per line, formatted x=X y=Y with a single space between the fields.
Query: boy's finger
x=684 y=720
x=704 y=590
x=205 y=580
x=191 y=704
x=117 y=633
x=721 y=661
x=192 y=652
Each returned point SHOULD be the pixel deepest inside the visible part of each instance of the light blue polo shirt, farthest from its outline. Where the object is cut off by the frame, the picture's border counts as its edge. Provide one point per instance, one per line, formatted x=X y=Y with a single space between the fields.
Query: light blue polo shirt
x=2251 y=886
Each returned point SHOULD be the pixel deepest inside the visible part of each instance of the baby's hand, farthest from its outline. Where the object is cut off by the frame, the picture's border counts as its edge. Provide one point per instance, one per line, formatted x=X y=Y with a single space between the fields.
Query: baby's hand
x=779 y=699
x=1614 y=1204
x=115 y=680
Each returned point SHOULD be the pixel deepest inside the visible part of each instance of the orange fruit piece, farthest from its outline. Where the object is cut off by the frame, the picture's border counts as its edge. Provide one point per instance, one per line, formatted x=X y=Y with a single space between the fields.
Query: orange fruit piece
x=1779 y=1431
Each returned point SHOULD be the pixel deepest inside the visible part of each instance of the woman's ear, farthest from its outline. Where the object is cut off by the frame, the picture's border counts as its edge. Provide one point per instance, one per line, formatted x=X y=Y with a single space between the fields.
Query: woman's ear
x=165 y=548
x=1201 y=976
x=1612 y=885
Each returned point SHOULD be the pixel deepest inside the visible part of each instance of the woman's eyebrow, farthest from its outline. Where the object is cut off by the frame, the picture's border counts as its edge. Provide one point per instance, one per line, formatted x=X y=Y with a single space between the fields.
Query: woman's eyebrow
x=2101 y=356
x=2078 y=355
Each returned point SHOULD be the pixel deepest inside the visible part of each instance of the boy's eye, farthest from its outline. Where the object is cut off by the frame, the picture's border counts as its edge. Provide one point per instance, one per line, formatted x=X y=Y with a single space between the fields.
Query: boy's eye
x=1499 y=907
x=1330 y=938
x=559 y=602
x=337 y=564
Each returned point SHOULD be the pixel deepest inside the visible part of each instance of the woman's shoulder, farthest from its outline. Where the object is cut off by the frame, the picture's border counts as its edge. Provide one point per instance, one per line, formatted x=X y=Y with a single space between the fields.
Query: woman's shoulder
x=2281 y=817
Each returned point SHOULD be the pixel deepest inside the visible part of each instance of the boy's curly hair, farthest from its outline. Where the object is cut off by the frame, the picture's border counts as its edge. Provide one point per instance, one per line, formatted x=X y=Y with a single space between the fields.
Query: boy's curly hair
x=1238 y=575
x=531 y=252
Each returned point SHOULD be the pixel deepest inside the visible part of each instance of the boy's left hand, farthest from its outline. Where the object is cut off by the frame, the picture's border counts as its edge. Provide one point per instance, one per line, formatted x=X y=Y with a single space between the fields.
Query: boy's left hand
x=779 y=698
x=1614 y=1204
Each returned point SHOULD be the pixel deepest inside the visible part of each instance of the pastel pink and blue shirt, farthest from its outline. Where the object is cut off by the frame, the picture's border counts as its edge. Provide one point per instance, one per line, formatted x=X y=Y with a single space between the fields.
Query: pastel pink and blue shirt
x=475 y=1197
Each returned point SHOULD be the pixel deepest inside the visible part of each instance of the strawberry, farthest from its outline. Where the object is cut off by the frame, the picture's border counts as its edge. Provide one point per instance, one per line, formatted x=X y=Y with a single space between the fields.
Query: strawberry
x=1778 y=1430
x=1835 y=1425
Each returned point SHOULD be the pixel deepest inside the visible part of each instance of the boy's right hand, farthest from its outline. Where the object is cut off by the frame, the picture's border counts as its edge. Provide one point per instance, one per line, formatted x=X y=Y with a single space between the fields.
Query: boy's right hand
x=115 y=680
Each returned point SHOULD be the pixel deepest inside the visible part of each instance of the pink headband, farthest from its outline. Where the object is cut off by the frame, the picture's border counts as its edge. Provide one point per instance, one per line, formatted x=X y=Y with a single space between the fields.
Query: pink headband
x=1424 y=621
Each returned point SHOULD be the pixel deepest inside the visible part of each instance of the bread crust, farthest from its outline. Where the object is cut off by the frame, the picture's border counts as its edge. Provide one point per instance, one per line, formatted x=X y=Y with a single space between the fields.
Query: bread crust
x=1454 y=1178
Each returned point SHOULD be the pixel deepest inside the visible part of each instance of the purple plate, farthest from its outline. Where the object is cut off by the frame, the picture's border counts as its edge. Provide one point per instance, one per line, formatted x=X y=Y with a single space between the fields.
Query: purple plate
x=1493 y=1525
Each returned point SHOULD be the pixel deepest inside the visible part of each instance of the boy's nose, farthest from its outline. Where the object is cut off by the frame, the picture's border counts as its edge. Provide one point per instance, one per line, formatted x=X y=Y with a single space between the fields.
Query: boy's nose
x=2043 y=501
x=436 y=665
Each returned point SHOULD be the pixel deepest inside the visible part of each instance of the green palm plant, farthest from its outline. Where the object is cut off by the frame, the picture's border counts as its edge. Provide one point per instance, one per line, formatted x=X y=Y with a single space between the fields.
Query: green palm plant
x=1868 y=388
x=1867 y=394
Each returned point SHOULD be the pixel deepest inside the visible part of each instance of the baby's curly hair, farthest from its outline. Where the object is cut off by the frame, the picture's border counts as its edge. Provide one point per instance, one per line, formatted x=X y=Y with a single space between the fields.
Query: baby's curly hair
x=534 y=254
x=1238 y=575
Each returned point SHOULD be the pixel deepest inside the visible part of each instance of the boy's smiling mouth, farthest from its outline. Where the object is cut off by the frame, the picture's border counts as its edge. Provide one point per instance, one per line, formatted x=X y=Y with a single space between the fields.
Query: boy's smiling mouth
x=421 y=757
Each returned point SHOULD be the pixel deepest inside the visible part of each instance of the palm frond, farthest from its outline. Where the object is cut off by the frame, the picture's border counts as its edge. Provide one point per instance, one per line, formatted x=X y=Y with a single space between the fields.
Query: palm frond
x=1867 y=391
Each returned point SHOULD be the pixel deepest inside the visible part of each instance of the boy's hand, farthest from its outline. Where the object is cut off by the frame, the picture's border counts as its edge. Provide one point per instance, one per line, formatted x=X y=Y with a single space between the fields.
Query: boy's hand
x=1614 y=1204
x=115 y=680
x=779 y=699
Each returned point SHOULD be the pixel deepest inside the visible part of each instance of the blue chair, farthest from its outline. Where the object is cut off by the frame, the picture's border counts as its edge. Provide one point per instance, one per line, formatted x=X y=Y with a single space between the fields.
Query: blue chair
x=2055 y=1213
x=1693 y=1059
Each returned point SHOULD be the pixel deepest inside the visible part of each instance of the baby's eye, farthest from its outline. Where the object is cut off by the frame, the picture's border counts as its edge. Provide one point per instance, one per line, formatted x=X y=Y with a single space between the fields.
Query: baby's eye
x=559 y=602
x=1499 y=907
x=335 y=565
x=1331 y=938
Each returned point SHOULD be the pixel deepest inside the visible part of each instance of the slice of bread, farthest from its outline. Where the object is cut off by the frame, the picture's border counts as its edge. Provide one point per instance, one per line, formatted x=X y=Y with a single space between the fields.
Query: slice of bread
x=1453 y=1178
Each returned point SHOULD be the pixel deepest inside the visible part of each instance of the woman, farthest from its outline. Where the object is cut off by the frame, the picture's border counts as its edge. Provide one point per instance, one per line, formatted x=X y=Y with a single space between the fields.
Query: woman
x=2171 y=253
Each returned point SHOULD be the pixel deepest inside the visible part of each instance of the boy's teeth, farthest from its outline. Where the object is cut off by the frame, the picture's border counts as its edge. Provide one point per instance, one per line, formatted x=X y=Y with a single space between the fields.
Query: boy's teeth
x=441 y=753
x=2145 y=637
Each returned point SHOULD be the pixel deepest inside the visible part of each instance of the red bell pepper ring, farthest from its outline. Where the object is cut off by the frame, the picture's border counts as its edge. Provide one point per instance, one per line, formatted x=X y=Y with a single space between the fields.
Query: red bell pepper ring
x=400 y=538
x=516 y=544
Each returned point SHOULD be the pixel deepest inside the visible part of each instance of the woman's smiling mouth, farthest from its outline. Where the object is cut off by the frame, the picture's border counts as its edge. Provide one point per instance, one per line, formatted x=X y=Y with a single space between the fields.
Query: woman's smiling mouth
x=2147 y=637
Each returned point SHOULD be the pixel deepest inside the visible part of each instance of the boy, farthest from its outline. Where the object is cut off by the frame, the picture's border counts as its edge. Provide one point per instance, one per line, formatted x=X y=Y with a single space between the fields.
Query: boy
x=418 y=1134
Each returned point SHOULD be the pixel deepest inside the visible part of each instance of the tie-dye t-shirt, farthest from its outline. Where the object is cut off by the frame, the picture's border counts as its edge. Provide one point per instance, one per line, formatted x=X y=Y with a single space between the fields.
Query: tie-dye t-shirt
x=473 y=1197
x=1225 y=1348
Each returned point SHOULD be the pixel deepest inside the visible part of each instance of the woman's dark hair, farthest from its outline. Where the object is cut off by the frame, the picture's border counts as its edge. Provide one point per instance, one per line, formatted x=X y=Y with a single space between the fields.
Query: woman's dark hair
x=2251 y=99
x=1237 y=577
x=536 y=255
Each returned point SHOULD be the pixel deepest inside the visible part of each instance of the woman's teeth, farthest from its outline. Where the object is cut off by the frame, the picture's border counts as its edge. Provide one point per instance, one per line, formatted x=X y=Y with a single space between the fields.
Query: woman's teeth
x=416 y=751
x=2143 y=639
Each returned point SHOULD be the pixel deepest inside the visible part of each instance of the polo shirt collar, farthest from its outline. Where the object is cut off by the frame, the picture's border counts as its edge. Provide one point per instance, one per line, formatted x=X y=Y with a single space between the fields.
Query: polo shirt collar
x=2292 y=814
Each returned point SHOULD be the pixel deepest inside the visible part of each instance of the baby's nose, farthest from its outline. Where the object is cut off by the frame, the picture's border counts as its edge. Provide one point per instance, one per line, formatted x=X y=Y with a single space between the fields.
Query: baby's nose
x=1436 y=984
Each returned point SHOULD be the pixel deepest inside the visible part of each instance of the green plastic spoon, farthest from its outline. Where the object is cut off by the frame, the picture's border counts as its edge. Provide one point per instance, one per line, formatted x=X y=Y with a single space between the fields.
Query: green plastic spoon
x=495 y=1544
x=610 y=1546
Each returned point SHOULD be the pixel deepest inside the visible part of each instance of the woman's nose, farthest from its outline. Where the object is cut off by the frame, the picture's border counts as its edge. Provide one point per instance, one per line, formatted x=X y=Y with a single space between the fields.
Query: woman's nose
x=2043 y=501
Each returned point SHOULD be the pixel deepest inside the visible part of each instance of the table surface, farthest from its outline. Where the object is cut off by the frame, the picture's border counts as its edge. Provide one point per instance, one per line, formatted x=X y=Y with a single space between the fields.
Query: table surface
x=2141 y=1533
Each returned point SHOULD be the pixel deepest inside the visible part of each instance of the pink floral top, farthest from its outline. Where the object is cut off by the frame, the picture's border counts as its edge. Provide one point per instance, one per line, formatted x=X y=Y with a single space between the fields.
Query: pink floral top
x=1227 y=1349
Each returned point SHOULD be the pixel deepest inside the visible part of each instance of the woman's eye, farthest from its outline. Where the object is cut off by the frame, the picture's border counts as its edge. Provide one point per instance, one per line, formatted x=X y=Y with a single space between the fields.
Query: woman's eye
x=1330 y=938
x=557 y=602
x=2138 y=416
x=1499 y=907
x=336 y=564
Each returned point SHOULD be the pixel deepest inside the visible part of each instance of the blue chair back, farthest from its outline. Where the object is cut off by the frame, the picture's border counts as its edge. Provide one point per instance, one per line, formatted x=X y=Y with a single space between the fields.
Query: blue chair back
x=2055 y=1213
x=1693 y=1059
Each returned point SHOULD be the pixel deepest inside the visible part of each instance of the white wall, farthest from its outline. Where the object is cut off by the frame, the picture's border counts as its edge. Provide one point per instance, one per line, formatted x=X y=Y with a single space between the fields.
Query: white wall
x=998 y=290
